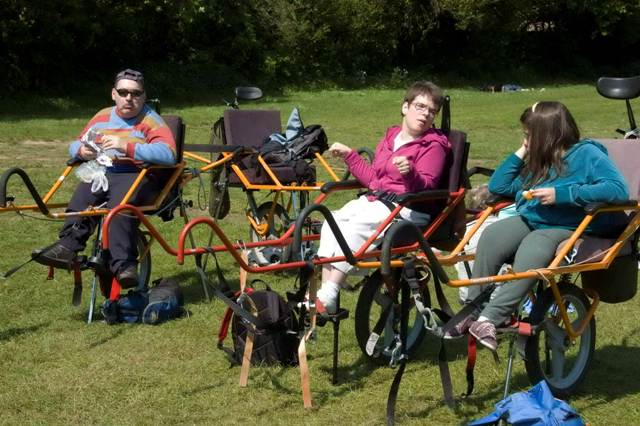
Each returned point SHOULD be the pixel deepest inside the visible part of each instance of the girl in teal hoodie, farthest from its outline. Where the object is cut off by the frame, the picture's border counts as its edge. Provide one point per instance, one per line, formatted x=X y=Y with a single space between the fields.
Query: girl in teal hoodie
x=552 y=176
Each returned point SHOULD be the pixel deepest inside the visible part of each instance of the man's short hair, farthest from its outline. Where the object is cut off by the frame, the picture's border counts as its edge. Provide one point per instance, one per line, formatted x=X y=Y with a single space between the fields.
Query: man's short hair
x=129 y=74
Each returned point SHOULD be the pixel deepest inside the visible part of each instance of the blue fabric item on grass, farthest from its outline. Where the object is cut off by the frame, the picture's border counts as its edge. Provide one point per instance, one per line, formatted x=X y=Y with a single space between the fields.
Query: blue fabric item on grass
x=535 y=407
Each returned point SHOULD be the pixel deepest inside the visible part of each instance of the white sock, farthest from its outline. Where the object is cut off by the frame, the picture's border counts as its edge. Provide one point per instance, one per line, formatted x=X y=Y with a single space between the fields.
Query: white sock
x=328 y=295
x=482 y=318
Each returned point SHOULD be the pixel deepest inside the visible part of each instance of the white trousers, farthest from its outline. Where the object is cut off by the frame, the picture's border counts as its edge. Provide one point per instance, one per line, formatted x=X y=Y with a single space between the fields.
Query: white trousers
x=358 y=220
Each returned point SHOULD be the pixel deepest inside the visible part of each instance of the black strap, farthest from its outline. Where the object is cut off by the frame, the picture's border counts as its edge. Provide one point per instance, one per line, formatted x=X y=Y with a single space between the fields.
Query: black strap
x=414 y=285
x=76 y=299
x=385 y=197
x=404 y=331
x=386 y=309
x=237 y=309
x=393 y=394
x=442 y=299
x=445 y=376
x=221 y=279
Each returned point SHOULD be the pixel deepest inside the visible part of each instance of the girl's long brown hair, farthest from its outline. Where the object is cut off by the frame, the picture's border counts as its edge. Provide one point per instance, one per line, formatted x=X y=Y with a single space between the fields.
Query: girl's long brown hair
x=552 y=131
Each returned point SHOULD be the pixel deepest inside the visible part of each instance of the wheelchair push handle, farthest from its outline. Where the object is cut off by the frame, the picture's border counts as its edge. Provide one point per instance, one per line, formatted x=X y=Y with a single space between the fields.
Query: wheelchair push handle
x=365 y=153
x=404 y=228
x=324 y=210
x=625 y=88
x=27 y=181
x=244 y=93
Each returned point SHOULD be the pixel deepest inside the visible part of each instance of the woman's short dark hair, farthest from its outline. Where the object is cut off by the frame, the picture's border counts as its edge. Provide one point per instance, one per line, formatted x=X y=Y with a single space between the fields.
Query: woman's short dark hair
x=425 y=88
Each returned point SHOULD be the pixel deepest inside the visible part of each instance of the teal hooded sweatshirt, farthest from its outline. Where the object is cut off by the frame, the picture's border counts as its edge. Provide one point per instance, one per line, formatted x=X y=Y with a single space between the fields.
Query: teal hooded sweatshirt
x=589 y=176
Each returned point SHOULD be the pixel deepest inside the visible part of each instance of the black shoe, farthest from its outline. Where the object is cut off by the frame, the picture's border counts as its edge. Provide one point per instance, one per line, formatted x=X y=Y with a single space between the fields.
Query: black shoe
x=128 y=276
x=56 y=255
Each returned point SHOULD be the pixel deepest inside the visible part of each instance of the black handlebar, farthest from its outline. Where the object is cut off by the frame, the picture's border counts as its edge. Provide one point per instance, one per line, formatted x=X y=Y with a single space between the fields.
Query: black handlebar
x=341 y=184
x=405 y=228
x=27 y=181
x=297 y=232
x=364 y=152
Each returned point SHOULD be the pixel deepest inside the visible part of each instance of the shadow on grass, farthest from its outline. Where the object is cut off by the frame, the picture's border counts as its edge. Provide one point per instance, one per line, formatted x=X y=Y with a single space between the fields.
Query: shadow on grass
x=467 y=407
x=117 y=332
x=612 y=364
x=20 y=331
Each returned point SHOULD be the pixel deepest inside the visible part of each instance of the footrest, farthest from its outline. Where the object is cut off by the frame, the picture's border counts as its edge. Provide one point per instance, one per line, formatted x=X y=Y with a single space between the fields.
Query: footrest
x=78 y=261
x=340 y=314
x=98 y=264
x=521 y=328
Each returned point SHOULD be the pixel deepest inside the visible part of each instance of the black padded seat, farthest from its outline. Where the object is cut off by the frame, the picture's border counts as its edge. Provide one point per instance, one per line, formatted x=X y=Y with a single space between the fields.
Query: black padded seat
x=175 y=123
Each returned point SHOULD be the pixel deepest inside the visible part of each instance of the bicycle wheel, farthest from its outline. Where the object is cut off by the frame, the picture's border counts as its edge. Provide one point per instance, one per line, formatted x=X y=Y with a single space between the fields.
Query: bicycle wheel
x=549 y=354
x=278 y=223
x=372 y=303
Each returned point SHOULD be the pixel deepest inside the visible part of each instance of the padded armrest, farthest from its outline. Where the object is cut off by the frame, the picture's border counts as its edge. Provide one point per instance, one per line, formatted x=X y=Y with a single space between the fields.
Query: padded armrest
x=593 y=207
x=480 y=171
x=343 y=184
x=495 y=199
x=412 y=197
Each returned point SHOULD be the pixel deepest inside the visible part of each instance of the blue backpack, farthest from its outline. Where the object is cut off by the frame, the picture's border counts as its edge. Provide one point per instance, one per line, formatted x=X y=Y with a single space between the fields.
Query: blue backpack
x=535 y=407
x=162 y=302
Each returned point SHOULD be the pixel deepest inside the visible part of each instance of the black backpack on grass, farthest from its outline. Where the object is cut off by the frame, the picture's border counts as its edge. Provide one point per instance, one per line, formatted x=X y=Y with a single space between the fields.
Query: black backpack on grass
x=276 y=339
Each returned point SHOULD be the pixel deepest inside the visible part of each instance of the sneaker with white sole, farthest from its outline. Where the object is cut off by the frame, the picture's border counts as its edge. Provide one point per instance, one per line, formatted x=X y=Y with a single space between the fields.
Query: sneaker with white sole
x=461 y=328
x=485 y=332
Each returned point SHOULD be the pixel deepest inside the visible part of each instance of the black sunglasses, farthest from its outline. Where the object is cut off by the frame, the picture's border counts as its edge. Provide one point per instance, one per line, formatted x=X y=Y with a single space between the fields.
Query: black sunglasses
x=123 y=93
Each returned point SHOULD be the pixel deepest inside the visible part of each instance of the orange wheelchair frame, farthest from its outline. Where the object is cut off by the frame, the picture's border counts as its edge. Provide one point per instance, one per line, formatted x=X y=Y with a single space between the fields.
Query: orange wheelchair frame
x=562 y=315
x=363 y=257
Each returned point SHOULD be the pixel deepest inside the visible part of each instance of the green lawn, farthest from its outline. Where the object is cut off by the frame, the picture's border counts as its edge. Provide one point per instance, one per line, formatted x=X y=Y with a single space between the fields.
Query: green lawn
x=58 y=370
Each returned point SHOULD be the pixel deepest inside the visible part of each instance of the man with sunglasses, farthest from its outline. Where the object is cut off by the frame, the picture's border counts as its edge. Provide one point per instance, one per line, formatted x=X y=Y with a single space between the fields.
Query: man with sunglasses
x=132 y=133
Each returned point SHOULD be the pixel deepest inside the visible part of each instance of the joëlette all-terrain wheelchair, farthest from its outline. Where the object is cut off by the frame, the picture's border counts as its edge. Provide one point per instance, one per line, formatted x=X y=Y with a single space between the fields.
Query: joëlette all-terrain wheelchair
x=276 y=191
x=250 y=126
x=446 y=230
x=167 y=200
x=556 y=334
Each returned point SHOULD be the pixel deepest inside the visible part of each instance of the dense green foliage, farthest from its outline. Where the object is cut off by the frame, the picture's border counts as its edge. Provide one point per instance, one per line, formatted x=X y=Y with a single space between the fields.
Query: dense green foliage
x=191 y=44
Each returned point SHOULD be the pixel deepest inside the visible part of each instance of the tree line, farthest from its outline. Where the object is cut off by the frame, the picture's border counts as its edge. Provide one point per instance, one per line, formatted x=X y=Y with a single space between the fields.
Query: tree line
x=55 y=44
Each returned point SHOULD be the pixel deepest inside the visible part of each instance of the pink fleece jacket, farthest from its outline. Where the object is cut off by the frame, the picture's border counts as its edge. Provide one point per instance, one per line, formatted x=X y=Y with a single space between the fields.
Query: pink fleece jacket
x=427 y=155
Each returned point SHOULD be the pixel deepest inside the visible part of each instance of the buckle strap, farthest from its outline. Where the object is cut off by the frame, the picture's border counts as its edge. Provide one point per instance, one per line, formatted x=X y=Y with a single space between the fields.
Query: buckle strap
x=385 y=197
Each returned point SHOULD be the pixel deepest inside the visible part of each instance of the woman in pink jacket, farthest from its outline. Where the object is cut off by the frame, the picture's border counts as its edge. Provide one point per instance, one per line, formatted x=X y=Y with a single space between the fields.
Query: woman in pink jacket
x=411 y=157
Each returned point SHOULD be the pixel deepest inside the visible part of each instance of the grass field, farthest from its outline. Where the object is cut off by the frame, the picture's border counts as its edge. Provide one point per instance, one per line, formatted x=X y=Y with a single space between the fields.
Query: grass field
x=58 y=370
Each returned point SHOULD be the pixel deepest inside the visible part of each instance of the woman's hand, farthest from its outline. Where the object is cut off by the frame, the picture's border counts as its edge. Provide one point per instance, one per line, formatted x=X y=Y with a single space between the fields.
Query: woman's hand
x=402 y=164
x=547 y=196
x=339 y=150
x=114 y=142
x=524 y=148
